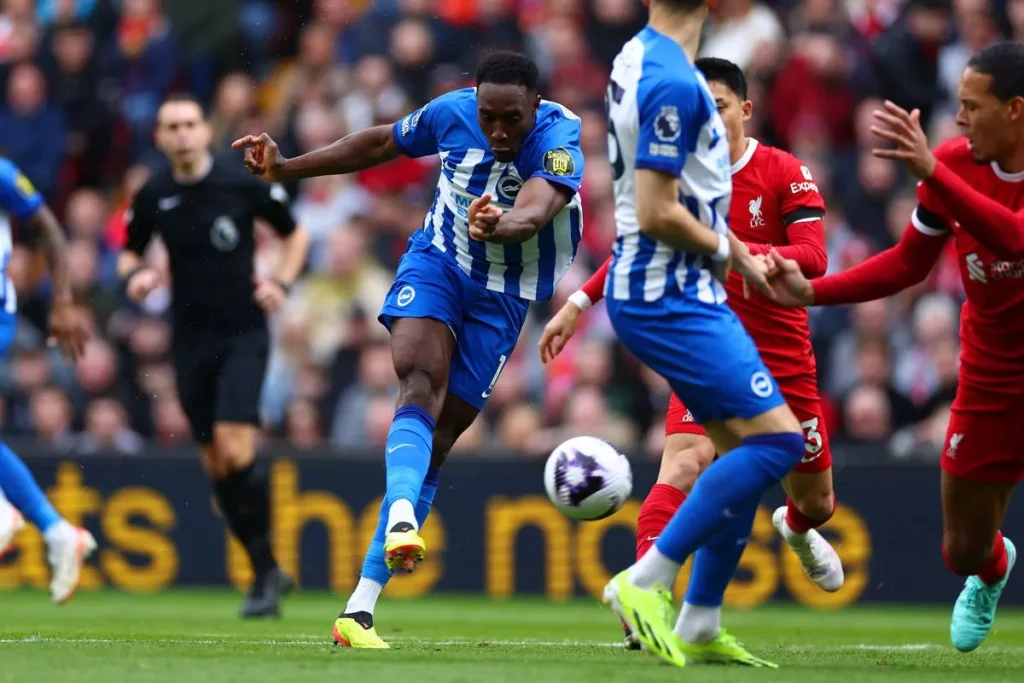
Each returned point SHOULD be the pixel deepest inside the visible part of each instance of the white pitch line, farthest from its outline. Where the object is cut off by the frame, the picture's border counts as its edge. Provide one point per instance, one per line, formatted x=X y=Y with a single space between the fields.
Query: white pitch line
x=306 y=641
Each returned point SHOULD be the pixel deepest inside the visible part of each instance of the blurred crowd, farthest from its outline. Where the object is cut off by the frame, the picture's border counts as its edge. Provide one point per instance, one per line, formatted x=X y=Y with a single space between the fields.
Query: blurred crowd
x=82 y=80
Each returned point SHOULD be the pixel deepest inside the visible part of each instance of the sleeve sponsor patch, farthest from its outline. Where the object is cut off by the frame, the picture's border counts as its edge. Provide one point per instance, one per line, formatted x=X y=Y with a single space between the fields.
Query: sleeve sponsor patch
x=410 y=121
x=559 y=162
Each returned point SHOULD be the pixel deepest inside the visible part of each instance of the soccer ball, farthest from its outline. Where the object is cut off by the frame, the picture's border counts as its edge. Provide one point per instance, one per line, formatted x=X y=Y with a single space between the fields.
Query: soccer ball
x=587 y=479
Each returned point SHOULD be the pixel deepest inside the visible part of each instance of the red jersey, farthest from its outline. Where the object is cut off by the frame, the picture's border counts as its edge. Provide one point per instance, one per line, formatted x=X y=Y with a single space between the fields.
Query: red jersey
x=775 y=203
x=992 y=317
x=982 y=207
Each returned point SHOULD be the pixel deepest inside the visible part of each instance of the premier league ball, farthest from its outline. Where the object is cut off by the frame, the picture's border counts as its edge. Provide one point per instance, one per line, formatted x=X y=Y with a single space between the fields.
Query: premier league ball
x=587 y=479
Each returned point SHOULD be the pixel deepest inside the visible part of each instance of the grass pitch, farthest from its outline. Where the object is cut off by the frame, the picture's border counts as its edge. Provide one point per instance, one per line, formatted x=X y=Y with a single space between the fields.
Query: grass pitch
x=195 y=636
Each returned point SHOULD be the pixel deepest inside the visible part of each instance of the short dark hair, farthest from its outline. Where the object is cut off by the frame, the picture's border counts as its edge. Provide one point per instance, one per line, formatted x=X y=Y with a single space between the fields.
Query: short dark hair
x=1004 y=63
x=508 y=68
x=681 y=5
x=184 y=97
x=725 y=72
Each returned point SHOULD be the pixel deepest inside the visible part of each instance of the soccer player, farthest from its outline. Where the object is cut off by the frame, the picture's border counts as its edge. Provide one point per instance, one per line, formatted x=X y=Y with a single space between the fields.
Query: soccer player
x=203 y=209
x=774 y=202
x=671 y=173
x=68 y=546
x=503 y=229
x=971 y=189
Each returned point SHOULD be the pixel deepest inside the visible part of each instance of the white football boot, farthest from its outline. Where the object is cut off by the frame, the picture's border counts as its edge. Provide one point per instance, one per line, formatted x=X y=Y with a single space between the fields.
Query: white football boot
x=820 y=560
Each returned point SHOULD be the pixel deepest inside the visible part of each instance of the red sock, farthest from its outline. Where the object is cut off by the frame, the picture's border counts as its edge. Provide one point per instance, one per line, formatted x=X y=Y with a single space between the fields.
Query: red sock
x=659 y=506
x=990 y=571
x=800 y=523
x=994 y=568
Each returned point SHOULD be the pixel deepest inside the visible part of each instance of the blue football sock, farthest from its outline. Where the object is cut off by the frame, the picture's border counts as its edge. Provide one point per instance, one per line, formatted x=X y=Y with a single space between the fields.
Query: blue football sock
x=731 y=485
x=23 y=492
x=373 y=564
x=714 y=563
x=408 y=450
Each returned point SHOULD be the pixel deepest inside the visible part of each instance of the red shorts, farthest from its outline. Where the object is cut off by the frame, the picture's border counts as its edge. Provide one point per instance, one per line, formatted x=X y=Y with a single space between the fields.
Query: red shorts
x=817 y=455
x=984 y=446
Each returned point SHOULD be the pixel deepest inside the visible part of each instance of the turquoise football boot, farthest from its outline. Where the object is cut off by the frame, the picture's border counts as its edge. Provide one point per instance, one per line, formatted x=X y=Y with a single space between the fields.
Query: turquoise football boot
x=975 y=609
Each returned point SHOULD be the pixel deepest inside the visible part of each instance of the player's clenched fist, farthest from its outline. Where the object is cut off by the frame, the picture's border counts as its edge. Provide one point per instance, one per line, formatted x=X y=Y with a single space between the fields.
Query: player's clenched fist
x=483 y=218
x=262 y=156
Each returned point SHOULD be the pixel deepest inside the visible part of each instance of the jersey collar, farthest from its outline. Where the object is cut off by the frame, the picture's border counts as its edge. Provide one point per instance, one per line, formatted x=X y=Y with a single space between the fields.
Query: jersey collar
x=747 y=156
x=1005 y=176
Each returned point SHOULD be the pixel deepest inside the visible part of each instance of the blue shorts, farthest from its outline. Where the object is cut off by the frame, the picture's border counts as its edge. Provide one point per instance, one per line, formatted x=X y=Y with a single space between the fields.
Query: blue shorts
x=486 y=324
x=703 y=352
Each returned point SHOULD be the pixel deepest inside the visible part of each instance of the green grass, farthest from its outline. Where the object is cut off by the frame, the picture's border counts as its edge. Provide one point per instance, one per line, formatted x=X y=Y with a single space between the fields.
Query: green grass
x=194 y=636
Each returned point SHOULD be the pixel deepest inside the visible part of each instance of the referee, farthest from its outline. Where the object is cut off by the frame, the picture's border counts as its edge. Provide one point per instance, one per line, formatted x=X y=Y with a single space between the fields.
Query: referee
x=203 y=209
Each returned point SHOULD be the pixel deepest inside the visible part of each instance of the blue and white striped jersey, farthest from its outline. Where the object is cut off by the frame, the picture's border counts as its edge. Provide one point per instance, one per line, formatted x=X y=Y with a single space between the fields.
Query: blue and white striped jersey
x=662 y=117
x=20 y=199
x=448 y=126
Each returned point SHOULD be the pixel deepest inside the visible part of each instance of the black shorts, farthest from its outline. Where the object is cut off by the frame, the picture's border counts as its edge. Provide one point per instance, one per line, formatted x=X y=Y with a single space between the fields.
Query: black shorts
x=220 y=377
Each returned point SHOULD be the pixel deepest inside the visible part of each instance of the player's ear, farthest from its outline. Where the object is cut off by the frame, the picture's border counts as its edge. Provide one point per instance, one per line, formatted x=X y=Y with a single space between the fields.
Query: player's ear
x=1015 y=109
x=748 y=109
x=536 y=103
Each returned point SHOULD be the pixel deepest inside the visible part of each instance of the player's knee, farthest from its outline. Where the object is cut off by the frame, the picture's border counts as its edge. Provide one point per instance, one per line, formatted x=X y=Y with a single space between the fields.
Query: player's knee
x=682 y=464
x=964 y=553
x=418 y=385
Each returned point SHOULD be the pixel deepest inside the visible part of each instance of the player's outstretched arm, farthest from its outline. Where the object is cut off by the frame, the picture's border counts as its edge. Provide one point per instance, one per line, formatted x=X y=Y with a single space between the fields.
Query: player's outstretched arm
x=997 y=227
x=884 y=274
x=562 y=326
x=537 y=204
x=355 y=152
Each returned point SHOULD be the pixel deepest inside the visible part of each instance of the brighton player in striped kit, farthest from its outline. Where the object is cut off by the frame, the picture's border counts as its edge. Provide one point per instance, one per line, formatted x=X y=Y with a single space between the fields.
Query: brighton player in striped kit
x=502 y=230
x=670 y=160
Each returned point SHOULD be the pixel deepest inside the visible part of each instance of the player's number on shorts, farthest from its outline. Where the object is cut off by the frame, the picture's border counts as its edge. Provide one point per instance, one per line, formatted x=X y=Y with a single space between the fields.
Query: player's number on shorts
x=614 y=94
x=497 y=374
x=812 y=437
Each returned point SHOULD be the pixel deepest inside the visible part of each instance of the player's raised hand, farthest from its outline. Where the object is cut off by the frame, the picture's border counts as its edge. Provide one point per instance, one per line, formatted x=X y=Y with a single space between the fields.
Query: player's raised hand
x=67 y=330
x=262 y=156
x=753 y=269
x=792 y=289
x=269 y=295
x=483 y=218
x=902 y=128
x=558 y=331
x=141 y=284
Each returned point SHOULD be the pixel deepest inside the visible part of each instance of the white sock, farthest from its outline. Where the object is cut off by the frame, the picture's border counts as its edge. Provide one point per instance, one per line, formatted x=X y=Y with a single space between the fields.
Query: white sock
x=698 y=625
x=402 y=511
x=59 y=532
x=654 y=568
x=364 y=597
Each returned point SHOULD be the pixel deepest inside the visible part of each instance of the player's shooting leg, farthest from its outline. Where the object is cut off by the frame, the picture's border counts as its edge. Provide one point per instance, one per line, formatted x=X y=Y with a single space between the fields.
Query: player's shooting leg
x=972 y=512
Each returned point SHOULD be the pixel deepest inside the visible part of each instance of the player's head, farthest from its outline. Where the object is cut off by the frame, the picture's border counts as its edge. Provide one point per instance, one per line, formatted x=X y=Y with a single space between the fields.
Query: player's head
x=506 y=101
x=992 y=101
x=729 y=88
x=182 y=132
